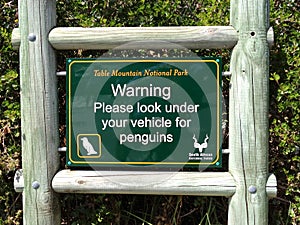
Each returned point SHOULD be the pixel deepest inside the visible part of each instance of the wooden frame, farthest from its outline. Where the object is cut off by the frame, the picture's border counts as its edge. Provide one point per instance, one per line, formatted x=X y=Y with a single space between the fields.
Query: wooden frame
x=247 y=183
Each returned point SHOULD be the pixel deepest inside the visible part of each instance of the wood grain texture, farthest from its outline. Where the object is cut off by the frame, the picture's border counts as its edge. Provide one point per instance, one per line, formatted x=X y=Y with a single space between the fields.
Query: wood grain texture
x=146 y=182
x=195 y=37
x=248 y=113
x=64 y=181
x=63 y=38
x=137 y=182
x=39 y=115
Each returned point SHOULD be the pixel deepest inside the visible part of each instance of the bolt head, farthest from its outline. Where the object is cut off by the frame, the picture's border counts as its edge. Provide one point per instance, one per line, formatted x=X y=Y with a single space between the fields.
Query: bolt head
x=35 y=185
x=32 y=37
x=252 y=189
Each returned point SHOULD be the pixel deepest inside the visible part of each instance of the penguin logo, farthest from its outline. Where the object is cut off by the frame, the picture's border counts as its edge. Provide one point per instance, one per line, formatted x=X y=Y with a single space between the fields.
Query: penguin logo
x=88 y=146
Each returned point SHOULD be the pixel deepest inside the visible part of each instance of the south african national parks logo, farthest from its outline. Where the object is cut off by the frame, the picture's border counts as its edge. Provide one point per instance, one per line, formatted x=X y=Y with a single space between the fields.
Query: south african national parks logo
x=199 y=154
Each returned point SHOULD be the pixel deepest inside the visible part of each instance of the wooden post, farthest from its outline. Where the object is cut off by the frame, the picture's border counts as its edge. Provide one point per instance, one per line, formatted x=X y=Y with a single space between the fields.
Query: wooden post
x=38 y=112
x=248 y=117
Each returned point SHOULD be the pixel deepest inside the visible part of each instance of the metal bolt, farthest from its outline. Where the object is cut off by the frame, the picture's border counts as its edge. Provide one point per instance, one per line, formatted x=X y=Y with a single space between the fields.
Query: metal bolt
x=32 y=37
x=252 y=189
x=35 y=185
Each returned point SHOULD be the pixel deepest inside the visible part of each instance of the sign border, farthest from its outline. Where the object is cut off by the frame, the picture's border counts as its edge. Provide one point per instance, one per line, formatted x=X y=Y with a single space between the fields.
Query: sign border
x=71 y=162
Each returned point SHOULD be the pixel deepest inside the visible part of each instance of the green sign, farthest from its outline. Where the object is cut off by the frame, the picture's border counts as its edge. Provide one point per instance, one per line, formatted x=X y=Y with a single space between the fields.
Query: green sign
x=144 y=112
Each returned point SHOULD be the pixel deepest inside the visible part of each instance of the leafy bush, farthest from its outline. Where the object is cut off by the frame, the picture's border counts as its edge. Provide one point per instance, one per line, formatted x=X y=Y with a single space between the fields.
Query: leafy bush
x=10 y=210
x=285 y=109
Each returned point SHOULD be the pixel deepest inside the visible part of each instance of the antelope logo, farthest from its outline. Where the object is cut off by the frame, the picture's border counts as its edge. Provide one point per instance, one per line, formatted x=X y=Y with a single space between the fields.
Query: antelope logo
x=200 y=146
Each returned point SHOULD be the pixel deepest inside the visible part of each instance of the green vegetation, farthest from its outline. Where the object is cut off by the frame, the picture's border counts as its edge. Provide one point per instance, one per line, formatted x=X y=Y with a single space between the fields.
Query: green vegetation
x=160 y=210
x=10 y=202
x=285 y=110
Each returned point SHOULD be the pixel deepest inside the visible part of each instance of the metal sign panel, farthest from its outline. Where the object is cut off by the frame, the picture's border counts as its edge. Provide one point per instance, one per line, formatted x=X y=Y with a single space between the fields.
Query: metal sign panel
x=144 y=112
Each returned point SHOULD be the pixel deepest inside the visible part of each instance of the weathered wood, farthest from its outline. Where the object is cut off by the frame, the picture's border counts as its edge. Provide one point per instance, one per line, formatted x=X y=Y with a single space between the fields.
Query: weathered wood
x=19 y=181
x=137 y=182
x=271 y=188
x=39 y=117
x=16 y=38
x=248 y=113
x=195 y=37
x=74 y=177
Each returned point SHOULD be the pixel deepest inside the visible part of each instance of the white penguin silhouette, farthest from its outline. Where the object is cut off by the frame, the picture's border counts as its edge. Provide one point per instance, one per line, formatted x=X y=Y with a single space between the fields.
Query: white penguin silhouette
x=200 y=146
x=88 y=146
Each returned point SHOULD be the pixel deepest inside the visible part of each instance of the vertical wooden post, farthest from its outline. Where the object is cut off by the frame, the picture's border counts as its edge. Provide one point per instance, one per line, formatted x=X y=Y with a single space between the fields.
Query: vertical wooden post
x=38 y=112
x=248 y=117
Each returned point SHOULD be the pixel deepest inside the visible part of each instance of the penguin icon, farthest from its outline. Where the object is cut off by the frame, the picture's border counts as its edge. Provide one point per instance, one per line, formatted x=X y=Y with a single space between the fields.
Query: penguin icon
x=88 y=146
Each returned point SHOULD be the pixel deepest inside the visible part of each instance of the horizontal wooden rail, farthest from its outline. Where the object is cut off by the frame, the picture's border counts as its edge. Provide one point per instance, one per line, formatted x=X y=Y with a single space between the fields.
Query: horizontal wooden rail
x=137 y=182
x=133 y=182
x=193 y=37
x=163 y=183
